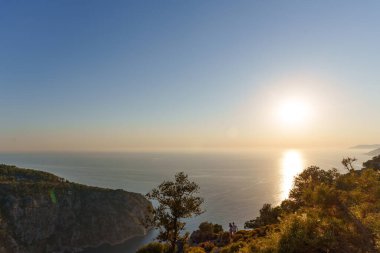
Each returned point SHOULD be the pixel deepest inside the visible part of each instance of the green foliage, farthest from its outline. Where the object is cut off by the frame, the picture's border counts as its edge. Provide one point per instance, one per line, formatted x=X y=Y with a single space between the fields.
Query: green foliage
x=208 y=227
x=326 y=212
x=9 y=173
x=267 y=244
x=177 y=200
x=236 y=247
x=207 y=246
x=195 y=250
x=374 y=163
x=154 y=247
x=217 y=228
x=347 y=163
x=207 y=232
x=224 y=238
x=302 y=233
x=306 y=183
x=268 y=215
x=248 y=235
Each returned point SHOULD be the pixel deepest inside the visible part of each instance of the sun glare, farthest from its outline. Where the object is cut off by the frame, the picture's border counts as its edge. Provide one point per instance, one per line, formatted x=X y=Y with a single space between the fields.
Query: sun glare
x=292 y=164
x=293 y=112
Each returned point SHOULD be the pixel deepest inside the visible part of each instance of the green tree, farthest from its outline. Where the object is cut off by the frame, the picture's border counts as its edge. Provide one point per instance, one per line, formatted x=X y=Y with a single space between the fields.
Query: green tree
x=268 y=215
x=177 y=200
x=374 y=163
x=308 y=181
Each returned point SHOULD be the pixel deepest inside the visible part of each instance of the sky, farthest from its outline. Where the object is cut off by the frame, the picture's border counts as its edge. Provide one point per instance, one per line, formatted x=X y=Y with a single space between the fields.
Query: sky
x=81 y=75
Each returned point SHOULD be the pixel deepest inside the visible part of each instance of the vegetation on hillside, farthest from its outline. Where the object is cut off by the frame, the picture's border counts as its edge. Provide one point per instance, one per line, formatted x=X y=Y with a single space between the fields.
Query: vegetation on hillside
x=326 y=212
x=10 y=173
x=40 y=212
x=374 y=163
x=27 y=182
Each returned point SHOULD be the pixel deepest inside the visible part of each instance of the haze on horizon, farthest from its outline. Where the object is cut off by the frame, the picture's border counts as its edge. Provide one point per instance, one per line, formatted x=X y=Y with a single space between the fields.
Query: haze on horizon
x=143 y=75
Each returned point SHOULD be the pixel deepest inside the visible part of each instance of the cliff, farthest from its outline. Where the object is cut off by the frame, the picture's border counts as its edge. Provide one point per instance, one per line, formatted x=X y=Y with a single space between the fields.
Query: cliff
x=40 y=212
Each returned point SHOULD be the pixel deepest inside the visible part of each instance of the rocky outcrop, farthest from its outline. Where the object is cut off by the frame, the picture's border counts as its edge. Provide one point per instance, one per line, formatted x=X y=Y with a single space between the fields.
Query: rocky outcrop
x=40 y=212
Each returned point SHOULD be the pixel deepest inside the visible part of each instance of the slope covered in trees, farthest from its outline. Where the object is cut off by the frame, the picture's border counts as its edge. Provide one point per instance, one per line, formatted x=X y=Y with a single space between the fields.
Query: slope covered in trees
x=326 y=212
x=40 y=212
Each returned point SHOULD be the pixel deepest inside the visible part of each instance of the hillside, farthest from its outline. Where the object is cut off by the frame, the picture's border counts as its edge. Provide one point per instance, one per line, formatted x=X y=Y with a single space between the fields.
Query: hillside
x=40 y=212
x=326 y=212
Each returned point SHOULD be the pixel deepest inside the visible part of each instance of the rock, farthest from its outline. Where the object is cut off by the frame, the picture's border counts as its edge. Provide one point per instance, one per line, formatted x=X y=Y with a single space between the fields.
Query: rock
x=40 y=212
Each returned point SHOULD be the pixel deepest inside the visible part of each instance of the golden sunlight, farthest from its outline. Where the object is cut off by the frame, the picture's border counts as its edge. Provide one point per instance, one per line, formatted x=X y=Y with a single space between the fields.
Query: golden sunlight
x=291 y=165
x=294 y=112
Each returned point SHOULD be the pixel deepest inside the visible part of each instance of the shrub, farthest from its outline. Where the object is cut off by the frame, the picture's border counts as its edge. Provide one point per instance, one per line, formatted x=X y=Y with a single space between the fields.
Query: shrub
x=218 y=228
x=237 y=237
x=206 y=232
x=207 y=246
x=206 y=227
x=224 y=238
x=195 y=250
x=153 y=247
x=237 y=247
x=268 y=215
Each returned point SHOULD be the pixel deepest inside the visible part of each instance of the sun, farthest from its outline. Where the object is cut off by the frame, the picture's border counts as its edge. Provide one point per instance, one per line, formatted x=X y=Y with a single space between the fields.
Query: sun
x=294 y=112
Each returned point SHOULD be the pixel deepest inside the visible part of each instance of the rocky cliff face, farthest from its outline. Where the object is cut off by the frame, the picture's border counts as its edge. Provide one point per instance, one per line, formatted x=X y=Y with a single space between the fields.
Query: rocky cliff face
x=40 y=212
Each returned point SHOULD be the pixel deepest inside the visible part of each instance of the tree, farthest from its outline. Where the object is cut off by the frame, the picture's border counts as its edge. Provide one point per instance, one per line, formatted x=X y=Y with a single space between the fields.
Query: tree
x=176 y=201
x=306 y=183
x=347 y=163
x=374 y=163
x=268 y=215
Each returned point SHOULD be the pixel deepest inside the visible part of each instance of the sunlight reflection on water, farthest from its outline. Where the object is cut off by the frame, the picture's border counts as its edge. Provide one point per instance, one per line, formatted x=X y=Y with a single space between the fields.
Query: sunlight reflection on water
x=291 y=164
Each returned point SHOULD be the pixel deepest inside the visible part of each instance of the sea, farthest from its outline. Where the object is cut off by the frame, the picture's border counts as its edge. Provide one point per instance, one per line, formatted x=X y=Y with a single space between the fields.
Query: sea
x=234 y=184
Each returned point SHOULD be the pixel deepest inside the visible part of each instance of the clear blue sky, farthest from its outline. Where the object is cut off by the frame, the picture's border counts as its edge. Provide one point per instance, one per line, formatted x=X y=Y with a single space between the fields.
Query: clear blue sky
x=106 y=75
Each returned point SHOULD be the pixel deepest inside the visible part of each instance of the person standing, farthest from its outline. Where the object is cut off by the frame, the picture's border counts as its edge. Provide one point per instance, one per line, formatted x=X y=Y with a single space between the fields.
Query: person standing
x=231 y=228
x=234 y=228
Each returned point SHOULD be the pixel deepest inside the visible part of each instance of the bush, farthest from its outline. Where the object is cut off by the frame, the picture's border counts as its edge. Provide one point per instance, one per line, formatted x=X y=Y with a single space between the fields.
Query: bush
x=224 y=238
x=237 y=247
x=315 y=231
x=206 y=227
x=268 y=215
x=237 y=237
x=195 y=250
x=206 y=232
x=207 y=246
x=218 y=228
x=153 y=247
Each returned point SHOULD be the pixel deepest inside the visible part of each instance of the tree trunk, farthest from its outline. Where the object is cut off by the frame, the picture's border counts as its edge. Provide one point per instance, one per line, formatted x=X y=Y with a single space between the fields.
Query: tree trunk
x=174 y=241
x=172 y=247
x=361 y=228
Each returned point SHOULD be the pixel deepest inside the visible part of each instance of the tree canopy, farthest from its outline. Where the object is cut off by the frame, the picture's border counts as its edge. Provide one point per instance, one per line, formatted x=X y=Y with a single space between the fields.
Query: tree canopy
x=177 y=200
x=326 y=212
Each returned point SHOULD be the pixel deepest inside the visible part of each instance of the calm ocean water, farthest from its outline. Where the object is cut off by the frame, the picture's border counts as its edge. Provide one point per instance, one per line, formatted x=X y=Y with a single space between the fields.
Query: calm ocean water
x=234 y=184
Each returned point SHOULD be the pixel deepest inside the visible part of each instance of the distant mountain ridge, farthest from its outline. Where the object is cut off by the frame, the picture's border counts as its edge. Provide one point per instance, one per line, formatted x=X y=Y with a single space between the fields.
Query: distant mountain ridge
x=366 y=146
x=375 y=152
